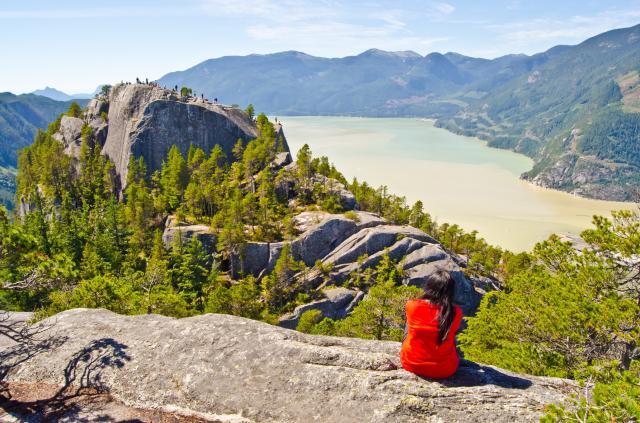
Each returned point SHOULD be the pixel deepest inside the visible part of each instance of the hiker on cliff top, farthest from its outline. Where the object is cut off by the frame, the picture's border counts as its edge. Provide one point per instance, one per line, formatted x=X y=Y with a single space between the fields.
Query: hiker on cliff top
x=429 y=349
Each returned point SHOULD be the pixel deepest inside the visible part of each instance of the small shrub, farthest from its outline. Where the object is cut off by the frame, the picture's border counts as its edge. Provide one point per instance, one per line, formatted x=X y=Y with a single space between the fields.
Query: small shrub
x=351 y=215
x=308 y=320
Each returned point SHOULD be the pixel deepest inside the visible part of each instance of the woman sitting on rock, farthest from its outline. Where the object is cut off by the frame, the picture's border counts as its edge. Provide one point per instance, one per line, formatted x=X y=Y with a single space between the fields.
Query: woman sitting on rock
x=429 y=349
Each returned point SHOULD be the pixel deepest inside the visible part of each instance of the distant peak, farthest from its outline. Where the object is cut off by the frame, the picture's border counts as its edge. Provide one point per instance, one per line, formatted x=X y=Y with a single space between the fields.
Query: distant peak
x=288 y=53
x=294 y=53
x=383 y=53
x=438 y=59
x=48 y=88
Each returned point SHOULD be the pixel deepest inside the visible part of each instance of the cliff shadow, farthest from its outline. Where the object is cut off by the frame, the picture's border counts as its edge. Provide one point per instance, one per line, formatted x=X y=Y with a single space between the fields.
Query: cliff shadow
x=473 y=374
x=83 y=393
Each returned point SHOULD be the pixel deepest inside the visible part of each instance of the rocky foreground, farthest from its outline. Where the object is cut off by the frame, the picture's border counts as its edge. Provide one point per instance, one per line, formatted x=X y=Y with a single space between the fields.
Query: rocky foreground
x=230 y=369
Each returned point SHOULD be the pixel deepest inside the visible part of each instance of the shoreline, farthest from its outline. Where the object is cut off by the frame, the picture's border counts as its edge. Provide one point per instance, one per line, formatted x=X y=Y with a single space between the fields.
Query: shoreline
x=458 y=179
x=484 y=142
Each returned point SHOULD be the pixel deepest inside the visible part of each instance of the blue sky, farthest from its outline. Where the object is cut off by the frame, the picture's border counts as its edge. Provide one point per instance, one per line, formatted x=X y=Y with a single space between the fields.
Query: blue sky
x=75 y=45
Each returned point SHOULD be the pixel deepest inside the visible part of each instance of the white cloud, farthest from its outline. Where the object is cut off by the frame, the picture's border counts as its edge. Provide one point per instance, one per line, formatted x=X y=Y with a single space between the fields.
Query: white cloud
x=571 y=30
x=393 y=18
x=338 y=39
x=444 y=8
x=86 y=13
x=271 y=10
x=328 y=27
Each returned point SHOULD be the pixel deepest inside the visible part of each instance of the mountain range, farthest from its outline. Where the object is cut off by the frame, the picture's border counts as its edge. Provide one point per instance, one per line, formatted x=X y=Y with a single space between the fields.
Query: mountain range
x=58 y=95
x=573 y=109
x=373 y=83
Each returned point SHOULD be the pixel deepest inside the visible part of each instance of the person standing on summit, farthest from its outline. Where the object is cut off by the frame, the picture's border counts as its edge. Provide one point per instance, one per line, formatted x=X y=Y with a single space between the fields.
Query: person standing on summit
x=429 y=349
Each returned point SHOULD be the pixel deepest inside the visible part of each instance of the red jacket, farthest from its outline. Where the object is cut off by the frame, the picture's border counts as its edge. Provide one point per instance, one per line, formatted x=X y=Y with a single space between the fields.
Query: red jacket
x=421 y=354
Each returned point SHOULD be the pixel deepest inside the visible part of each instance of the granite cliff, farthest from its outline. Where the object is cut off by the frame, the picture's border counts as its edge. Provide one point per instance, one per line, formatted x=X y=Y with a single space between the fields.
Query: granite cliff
x=346 y=245
x=144 y=120
x=230 y=369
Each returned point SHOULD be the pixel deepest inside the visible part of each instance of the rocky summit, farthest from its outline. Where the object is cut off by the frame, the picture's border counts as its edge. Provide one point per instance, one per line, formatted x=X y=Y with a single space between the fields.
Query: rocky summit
x=145 y=120
x=230 y=369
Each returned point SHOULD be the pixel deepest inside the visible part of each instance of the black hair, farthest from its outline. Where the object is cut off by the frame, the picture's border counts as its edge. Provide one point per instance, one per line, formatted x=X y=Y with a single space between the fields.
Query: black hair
x=439 y=289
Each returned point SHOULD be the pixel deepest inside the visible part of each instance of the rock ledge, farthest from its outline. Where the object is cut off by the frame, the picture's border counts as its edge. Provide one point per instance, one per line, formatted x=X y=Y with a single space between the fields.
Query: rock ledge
x=250 y=371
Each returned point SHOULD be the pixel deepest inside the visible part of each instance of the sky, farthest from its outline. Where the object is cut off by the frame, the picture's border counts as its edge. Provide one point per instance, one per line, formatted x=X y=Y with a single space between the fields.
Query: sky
x=75 y=45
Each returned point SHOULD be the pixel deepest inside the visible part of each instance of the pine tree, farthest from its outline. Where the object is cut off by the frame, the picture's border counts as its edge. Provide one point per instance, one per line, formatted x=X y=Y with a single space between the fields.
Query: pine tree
x=188 y=271
x=279 y=286
x=380 y=315
x=308 y=320
x=250 y=111
x=571 y=314
x=174 y=178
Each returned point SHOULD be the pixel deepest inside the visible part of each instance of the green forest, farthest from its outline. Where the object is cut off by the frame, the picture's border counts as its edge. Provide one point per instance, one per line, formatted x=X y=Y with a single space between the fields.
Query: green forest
x=76 y=241
x=613 y=135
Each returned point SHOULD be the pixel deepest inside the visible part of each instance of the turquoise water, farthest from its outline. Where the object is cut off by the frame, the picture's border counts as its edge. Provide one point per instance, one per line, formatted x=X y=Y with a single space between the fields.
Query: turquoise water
x=459 y=179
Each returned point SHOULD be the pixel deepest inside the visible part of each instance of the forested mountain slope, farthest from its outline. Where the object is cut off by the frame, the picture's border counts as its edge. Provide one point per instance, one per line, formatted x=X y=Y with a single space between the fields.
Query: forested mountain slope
x=374 y=83
x=576 y=115
x=224 y=191
x=20 y=117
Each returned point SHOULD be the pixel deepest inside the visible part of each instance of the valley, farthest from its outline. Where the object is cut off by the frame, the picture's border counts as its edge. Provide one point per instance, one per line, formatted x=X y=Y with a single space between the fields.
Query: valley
x=572 y=109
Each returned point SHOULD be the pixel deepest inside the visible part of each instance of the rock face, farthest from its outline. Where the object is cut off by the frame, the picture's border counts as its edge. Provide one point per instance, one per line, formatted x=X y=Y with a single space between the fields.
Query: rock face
x=321 y=233
x=145 y=121
x=587 y=176
x=69 y=134
x=418 y=254
x=350 y=245
x=237 y=370
x=174 y=229
x=339 y=302
x=281 y=160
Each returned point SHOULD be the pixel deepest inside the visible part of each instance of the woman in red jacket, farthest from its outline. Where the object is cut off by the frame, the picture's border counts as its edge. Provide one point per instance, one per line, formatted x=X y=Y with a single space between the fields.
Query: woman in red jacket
x=429 y=348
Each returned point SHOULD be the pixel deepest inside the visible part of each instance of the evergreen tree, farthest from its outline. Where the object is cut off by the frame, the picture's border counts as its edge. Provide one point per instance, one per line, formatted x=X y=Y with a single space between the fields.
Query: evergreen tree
x=380 y=315
x=571 y=315
x=174 y=178
x=74 y=110
x=279 y=286
x=250 y=111
x=188 y=271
